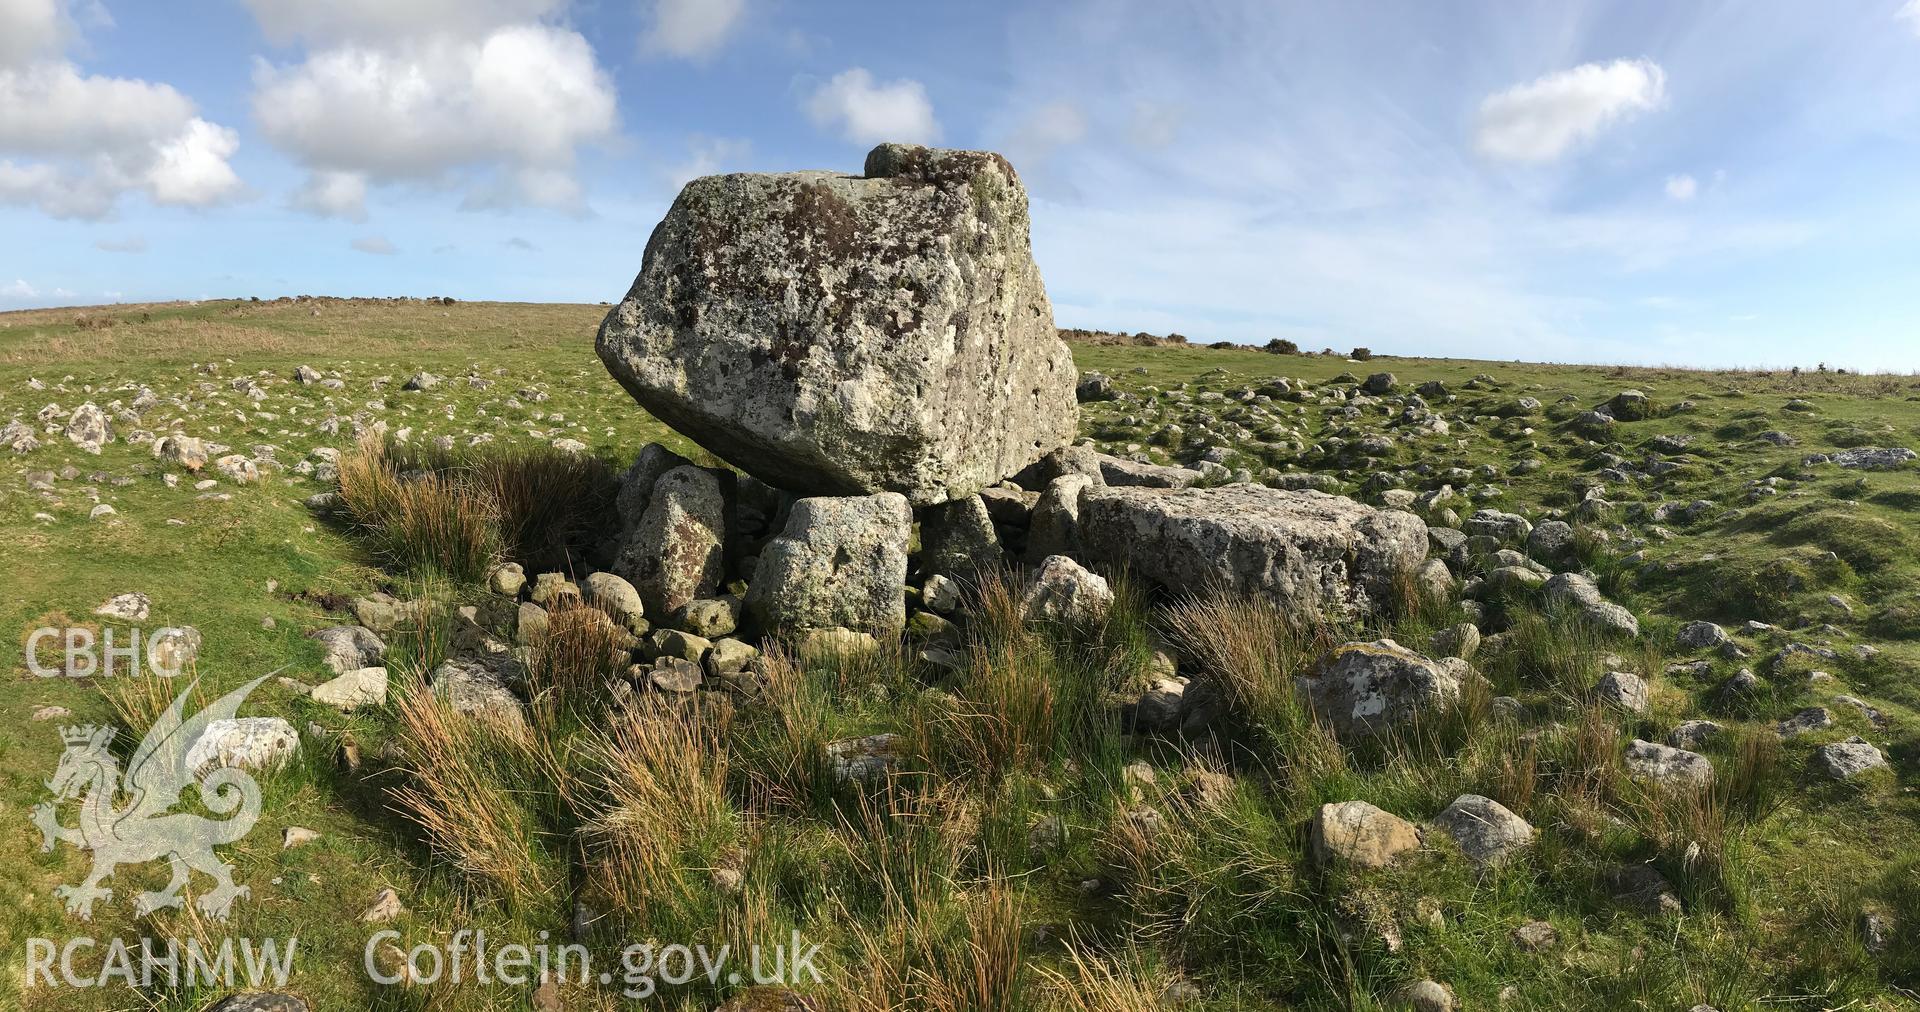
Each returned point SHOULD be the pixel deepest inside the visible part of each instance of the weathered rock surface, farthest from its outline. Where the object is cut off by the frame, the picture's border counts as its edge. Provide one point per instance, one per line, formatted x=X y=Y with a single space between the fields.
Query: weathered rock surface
x=957 y=538
x=1358 y=834
x=1064 y=591
x=1486 y=830
x=842 y=335
x=1373 y=688
x=676 y=552
x=1844 y=760
x=1578 y=594
x=1306 y=549
x=840 y=562
x=248 y=743
x=1647 y=760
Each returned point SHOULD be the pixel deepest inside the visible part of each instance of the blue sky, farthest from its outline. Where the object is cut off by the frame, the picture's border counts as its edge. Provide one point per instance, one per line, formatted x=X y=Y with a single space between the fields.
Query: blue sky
x=1696 y=183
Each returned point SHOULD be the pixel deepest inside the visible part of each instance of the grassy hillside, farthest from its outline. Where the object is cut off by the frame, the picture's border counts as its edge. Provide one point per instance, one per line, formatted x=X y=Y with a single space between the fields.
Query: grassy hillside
x=1709 y=513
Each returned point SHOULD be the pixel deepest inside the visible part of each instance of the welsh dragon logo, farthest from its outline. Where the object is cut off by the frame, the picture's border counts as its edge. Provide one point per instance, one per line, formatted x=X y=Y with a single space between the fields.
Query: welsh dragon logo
x=145 y=829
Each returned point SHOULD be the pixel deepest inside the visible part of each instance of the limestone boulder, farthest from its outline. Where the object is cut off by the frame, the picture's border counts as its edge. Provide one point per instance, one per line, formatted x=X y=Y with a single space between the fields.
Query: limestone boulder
x=840 y=335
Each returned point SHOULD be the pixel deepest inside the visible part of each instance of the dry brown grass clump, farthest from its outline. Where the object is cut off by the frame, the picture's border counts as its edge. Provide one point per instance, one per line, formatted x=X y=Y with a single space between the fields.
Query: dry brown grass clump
x=470 y=785
x=420 y=522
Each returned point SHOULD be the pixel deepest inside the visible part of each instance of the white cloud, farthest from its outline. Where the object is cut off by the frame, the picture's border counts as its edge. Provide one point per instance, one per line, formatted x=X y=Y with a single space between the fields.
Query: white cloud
x=19 y=289
x=1154 y=124
x=30 y=29
x=694 y=29
x=376 y=20
x=332 y=194
x=517 y=102
x=375 y=244
x=866 y=112
x=1542 y=119
x=706 y=156
x=131 y=244
x=1051 y=126
x=1682 y=187
x=1910 y=13
x=73 y=144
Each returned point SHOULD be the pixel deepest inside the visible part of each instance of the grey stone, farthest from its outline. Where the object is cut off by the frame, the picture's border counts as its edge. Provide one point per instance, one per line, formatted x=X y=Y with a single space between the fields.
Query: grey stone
x=1360 y=835
x=477 y=687
x=867 y=760
x=1486 y=831
x=1367 y=689
x=840 y=562
x=711 y=616
x=1813 y=718
x=507 y=579
x=1054 y=528
x=840 y=335
x=354 y=689
x=1692 y=734
x=1652 y=761
x=615 y=596
x=1307 y=550
x=248 y=743
x=1844 y=760
x=957 y=538
x=676 y=552
x=1625 y=690
x=1701 y=636
x=347 y=648
x=1065 y=591
x=1578 y=593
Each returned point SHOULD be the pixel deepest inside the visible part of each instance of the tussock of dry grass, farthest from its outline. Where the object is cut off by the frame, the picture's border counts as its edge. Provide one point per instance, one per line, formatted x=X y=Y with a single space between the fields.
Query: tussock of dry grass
x=653 y=791
x=464 y=784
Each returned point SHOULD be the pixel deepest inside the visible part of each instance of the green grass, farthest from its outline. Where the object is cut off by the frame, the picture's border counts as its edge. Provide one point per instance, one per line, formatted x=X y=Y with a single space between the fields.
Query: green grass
x=936 y=891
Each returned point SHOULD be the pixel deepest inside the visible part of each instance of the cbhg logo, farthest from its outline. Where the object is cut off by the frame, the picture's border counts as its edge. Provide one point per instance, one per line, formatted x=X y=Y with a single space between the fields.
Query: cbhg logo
x=145 y=829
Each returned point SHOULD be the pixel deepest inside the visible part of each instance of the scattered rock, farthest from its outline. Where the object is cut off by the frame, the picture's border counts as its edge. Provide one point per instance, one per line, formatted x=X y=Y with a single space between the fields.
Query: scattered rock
x=248 y=743
x=1623 y=689
x=1844 y=760
x=1358 y=834
x=1646 y=760
x=1367 y=689
x=1485 y=830
x=1065 y=591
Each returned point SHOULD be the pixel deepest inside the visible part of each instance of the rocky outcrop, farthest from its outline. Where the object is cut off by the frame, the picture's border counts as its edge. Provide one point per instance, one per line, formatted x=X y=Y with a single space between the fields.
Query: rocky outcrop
x=839 y=563
x=845 y=335
x=1305 y=549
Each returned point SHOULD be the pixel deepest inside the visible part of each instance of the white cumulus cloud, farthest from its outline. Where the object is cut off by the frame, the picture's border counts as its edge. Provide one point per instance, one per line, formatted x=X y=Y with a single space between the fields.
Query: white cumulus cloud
x=694 y=29
x=867 y=112
x=1682 y=187
x=72 y=144
x=330 y=21
x=510 y=107
x=1545 y=118
x=18 y=289
x=30 y=29
x=1910 y=13
x=375 y=244
x=333 y=194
